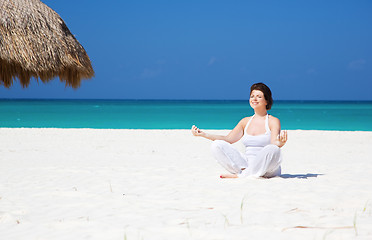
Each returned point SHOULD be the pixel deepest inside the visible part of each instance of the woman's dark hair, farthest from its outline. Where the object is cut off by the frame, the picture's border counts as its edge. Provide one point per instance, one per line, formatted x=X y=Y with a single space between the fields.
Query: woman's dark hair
x=266 y=91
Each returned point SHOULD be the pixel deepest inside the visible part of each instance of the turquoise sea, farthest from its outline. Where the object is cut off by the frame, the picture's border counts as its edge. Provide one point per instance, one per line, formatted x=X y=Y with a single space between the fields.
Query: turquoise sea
x=169 y=114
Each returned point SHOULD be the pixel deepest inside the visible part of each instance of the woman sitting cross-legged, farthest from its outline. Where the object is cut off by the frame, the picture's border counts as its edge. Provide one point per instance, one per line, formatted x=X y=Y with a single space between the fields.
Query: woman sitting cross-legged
x=259 y=133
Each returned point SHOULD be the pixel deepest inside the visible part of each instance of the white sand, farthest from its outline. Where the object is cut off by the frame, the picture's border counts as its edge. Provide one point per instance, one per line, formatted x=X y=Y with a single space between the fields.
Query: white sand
x=164 y=184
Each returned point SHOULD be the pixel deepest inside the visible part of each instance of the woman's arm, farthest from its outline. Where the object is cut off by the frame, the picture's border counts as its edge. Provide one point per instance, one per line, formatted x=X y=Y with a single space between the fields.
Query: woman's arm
x=278 y=138
x=234 y=136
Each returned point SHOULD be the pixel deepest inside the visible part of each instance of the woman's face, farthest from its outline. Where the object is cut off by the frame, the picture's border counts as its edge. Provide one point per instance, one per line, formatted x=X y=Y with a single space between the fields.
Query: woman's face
x=257 y=100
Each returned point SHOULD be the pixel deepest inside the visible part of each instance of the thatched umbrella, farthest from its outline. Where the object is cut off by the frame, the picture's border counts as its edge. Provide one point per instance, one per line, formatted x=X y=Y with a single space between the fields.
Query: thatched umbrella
x=35 y=42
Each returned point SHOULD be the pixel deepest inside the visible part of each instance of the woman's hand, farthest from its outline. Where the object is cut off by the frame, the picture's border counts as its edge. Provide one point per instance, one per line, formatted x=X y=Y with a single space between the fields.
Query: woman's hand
x=282 y=138
x=197 y=132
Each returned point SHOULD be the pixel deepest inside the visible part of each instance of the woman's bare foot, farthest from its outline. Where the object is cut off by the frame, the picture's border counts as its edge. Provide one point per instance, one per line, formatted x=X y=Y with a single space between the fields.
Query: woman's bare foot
x=229 y=175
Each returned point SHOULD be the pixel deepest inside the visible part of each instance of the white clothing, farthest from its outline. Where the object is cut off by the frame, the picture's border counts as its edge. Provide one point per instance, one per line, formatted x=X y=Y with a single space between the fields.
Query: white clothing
x=254 y=144
x=261 y=159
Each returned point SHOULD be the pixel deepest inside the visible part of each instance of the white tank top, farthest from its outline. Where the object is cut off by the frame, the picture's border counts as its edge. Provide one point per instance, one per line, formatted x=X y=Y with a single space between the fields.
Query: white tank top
x=254 y=144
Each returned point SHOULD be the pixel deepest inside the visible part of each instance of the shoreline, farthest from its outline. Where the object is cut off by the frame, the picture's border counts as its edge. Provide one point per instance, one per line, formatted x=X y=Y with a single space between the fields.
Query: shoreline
x=164 y=184
x=171 y=129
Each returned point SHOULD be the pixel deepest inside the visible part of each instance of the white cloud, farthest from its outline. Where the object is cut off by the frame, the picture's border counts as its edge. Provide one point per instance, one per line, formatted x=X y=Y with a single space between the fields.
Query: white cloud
x=154 y=70
x=160 y=62
x=212 y=61
x=357 y=64
x=311 y=71
x=150 y=73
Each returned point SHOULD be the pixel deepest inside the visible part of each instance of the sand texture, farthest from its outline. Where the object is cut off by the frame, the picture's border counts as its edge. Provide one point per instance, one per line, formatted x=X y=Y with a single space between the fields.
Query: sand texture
x=164 y=184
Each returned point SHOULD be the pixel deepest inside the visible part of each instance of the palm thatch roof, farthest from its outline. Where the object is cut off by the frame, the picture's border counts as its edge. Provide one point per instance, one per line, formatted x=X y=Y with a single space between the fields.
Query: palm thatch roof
x=36 y=43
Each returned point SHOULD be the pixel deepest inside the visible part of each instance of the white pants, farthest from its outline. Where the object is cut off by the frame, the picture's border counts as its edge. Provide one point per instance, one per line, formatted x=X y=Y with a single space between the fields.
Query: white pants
x=265 y=164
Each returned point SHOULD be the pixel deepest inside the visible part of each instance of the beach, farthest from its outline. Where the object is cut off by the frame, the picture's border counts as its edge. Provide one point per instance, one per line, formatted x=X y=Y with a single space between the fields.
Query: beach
x=164 y=184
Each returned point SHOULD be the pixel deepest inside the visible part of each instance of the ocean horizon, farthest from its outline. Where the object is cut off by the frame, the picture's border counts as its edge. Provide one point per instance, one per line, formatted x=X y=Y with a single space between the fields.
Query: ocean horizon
x=180 y=114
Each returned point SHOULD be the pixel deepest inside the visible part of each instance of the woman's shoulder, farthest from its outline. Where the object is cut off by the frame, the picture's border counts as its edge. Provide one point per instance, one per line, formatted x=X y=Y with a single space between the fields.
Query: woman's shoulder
x=245 y=119
x=273 y=120
x=271 y=117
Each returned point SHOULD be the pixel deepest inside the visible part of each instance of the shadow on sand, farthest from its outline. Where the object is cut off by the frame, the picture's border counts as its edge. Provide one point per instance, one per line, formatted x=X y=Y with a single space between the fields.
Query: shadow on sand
x=303 y=176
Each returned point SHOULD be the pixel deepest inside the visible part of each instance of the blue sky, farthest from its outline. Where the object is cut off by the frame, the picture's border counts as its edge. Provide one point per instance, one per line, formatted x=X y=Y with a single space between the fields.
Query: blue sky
x=303 y=50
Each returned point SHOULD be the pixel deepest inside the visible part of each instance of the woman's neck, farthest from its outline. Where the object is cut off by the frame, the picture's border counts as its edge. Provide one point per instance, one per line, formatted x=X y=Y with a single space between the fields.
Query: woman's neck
x=260 y=113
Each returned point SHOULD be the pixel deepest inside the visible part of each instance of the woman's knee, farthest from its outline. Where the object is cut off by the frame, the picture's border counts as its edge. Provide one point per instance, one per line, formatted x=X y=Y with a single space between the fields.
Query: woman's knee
x=218 y=145
x=271 y=151
x=272 y=148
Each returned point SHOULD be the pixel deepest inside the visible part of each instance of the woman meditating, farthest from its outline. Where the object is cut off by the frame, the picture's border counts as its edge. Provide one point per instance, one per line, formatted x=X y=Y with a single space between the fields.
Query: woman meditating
x=259 y=133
